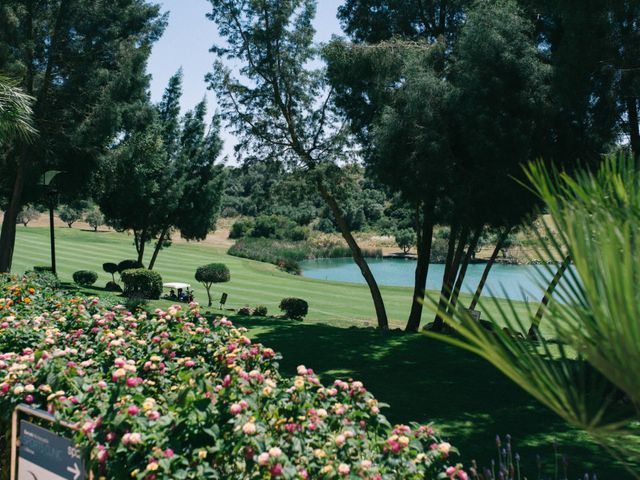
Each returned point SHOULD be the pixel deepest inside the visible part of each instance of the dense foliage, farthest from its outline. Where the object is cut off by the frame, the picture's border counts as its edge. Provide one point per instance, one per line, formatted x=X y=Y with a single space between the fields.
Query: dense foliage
x=295 y=308
x=174 y=395
x=85 y=277
x=142 y=283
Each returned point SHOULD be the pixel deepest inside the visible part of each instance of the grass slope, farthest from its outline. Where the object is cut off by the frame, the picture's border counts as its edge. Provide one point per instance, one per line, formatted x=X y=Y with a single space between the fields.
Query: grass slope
x=252 y=283
x=422 y=379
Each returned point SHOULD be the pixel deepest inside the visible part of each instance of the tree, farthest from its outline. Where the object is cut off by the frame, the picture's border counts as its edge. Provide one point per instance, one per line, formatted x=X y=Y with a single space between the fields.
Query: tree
x=27 y=214
x=164 y=176
x=279 y=107
x=94 y=218
x=87 y=81
x=70 y=215
x=406 y=239
x=589 y=374
x=210 y=274
x=414 y=106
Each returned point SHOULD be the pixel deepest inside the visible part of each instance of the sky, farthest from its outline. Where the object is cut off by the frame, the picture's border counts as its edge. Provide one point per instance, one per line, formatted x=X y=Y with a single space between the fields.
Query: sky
x=186 y=42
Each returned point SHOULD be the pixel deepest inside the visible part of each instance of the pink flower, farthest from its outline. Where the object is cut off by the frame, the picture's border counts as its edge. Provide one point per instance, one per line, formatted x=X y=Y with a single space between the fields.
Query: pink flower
x=263 y=459
x=168 y=453
x=344 y=469
x=28 y=398
x=276 y=470
x=235 y=409
x=133 y=410
x=132 y=382
x=249 y=428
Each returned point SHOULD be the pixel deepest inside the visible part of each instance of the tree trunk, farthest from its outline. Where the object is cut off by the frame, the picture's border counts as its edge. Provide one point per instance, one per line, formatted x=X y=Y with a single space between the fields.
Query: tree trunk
x=423 y=246
x=158 y=247
x=9 y=222
x=454 y=252
x=485 y=274
x=463 y=269
x=358 y=258
x=534 y=330
x=634 y=134
x=139 y=239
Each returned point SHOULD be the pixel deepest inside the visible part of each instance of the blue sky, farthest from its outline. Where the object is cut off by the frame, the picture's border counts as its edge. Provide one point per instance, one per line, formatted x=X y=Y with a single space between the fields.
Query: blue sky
x=186 y=44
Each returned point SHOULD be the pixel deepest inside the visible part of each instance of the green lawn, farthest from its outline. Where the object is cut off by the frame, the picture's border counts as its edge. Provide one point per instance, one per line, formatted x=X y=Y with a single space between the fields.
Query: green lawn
x=422 y=379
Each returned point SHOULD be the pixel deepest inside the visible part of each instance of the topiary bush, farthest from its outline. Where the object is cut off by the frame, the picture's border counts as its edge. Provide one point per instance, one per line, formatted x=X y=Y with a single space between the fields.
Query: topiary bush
x=113 y=287
x=86 y=278
x=295 y=308
x=42 y=268
x=140 y=282
x=112 y=268
x=128 y=265
x=212 y=273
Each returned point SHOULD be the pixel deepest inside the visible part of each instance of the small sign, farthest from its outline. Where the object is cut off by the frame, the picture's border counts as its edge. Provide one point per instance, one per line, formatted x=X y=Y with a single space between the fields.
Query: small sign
x=44 y=455
x=223 y=300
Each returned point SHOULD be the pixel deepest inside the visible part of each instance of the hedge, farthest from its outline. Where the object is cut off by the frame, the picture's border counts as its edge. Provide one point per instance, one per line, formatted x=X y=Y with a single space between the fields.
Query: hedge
x=142 y=283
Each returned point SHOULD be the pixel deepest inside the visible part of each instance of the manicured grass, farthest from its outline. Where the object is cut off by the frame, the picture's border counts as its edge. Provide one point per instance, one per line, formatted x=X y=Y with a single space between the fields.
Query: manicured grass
x=422 y=379
x=252 y=283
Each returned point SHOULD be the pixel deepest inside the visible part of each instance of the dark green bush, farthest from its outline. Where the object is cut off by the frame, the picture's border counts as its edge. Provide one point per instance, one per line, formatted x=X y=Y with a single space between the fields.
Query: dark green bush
x=294 y=308
x=260 y=311
x=273 y=226
x=241 y=228
x=85 y=278
x=113 y=287
x=135 y=302
x=42 y=268
x=129 y=265
x=140 y=282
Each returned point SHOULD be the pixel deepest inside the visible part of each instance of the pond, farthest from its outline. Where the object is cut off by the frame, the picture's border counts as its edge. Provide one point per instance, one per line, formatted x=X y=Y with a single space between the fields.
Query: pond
x=517 y=282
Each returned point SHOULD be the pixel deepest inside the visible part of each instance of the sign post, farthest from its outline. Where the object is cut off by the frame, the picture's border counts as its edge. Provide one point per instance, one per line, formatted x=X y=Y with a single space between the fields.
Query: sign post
x=40 y=454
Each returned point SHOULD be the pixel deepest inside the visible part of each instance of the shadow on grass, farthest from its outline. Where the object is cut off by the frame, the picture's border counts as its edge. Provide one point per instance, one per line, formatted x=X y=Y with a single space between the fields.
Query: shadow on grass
x=425 y=380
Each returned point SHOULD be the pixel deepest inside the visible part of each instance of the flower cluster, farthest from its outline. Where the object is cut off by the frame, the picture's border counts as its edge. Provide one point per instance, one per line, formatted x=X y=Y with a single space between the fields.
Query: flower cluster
x=173 y=394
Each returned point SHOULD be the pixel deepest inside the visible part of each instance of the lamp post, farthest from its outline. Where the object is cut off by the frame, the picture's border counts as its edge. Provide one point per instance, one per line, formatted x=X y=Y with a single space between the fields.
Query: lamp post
x=52 y=192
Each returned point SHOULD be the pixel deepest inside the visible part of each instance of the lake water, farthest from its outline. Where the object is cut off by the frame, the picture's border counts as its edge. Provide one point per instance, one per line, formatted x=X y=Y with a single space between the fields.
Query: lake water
x=517 y=282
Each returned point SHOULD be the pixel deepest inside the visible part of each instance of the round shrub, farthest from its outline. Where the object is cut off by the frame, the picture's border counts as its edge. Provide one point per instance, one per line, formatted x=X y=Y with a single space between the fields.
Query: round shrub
x=85 y=278
x=294 y=308
x=260 y=311
x=212 y=273
x=128 y=265
x=140 y=282
x=246 y=311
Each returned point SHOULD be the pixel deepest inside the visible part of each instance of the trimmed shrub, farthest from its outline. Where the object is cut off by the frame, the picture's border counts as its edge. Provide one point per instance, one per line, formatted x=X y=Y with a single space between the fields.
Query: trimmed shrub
x=241 y=228
x=113 y=287
x=260 y=311
x=85 y=278
x=140 y=282
x=212 y=273
x=111 y=268
x=295 y=308
x=42 y=268
x=128 y=265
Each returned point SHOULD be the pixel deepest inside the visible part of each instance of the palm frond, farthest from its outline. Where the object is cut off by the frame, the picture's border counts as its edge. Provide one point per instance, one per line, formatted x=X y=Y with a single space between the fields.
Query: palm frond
x=16 y=115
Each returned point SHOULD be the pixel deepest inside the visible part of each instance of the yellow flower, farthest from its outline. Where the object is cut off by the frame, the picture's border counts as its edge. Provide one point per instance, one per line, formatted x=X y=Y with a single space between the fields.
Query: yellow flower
x=202 y=454
x=152 y=467
x=135 y=473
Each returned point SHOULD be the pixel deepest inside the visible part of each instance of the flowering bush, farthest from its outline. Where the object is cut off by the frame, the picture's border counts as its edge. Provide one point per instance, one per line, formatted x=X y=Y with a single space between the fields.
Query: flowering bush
x=172 y=395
